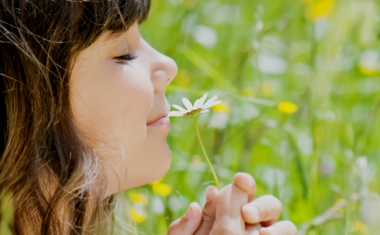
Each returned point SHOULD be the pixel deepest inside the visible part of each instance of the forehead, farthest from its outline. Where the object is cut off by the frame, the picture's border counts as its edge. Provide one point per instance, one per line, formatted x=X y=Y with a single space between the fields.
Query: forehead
x=111 y=38
x=110 y=41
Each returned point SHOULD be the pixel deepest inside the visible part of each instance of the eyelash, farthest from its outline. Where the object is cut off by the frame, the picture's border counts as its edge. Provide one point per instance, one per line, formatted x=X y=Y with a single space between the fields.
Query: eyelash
x=127 y=57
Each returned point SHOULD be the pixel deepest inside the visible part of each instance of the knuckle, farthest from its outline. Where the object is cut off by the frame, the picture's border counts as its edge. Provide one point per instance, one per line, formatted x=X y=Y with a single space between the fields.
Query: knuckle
x=206 y=217
x=204 y=228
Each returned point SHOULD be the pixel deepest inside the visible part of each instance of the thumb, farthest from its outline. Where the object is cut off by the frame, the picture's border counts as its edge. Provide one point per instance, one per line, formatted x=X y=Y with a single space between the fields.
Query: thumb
x=189 y=223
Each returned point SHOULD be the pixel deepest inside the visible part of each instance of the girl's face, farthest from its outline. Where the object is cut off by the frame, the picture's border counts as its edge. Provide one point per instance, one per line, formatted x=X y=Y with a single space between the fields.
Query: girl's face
x=117 y=90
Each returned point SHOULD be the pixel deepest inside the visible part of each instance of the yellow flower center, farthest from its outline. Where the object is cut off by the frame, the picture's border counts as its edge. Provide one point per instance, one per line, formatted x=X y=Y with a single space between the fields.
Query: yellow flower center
x=193 y=113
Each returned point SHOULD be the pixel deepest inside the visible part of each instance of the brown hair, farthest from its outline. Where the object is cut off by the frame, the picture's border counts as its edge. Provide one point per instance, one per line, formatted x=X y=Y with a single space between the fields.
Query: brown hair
x=55 y=179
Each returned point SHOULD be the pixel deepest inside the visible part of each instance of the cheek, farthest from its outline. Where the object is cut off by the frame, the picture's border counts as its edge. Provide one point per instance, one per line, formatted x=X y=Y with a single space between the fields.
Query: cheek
x=112 y=99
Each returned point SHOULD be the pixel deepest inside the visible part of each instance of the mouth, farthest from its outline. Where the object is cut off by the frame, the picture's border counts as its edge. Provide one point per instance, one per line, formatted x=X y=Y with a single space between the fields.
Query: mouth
x=161 y=122
x=162 y=119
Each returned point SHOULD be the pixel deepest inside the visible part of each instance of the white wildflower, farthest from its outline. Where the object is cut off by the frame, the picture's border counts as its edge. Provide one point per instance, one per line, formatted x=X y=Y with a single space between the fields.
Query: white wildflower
x=192 y=111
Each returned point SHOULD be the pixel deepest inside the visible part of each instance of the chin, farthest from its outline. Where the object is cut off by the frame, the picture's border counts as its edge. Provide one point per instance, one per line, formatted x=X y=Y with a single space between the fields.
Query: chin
x=152 y=164
x=158 y=154
x=159 y=162
x=163 y=165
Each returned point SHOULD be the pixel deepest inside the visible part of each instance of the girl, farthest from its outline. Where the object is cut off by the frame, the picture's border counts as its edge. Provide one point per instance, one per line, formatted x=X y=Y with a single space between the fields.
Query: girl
x=84 y=116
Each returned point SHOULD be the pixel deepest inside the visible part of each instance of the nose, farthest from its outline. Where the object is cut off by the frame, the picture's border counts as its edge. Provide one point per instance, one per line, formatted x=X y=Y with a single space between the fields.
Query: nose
x=164 y=70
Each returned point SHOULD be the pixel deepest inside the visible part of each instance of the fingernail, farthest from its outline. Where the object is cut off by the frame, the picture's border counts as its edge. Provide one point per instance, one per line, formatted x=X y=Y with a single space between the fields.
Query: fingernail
x=188 y=214
x=255 y=213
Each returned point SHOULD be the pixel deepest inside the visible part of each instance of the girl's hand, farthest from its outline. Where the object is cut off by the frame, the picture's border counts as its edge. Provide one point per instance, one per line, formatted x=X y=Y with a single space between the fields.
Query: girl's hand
x=233 y=211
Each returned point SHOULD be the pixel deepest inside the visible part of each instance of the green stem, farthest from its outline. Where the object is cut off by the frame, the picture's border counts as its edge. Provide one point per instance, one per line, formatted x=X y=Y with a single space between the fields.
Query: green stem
x=205 y=154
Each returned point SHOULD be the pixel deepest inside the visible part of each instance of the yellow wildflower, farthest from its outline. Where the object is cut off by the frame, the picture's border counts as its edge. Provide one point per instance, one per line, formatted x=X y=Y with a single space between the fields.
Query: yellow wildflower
x=138 y=198
x=320 y=9
x=161 y=189
x=287 y=107
x=222 y=107
x=358 y=226
x=367 y=71
x=137 y=214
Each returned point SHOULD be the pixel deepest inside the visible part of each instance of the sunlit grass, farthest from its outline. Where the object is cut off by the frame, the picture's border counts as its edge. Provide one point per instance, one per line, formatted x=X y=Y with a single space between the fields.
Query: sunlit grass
x=300 y=85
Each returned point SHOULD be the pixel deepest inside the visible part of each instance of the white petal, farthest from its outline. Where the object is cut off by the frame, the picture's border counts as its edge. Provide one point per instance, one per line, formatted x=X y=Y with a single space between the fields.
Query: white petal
x=178 y=107
x=209 y=105
x=187 y=103
x=213 y=98
x=175 y=114
x=202 y=100
x=205 y=111
x=196 y=104
x=210 y=100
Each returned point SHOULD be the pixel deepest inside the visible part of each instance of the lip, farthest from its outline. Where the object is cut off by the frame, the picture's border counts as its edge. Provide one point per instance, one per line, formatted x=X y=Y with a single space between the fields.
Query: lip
x=161 y=122
x=162 y=119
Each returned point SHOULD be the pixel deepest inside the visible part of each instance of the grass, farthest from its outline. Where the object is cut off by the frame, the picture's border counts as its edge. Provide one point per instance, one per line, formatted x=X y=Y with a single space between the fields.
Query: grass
x=321 y=55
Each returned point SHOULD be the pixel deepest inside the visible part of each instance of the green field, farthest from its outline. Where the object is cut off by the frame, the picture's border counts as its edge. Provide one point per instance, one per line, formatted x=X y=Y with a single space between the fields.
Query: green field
x=300 y=86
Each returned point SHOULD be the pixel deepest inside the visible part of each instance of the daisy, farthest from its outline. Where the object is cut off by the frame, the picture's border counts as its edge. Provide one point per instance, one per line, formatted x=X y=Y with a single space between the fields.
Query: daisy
x=192 y=111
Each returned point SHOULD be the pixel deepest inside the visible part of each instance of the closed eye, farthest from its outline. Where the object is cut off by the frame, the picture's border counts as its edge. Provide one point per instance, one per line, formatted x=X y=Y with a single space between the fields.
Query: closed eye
x=127 y=57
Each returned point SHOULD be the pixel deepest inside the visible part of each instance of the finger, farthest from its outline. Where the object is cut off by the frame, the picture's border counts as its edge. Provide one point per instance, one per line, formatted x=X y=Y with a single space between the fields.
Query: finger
x=253 y=229
x=208 y=212
x=228 y=218
x=246 y=182
x=231 y=199
x=265 y=209
x=189 y=223
x=280 y=228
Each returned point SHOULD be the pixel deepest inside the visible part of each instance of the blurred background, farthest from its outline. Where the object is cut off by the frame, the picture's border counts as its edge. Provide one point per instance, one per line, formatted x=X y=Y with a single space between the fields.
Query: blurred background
x=299 y=82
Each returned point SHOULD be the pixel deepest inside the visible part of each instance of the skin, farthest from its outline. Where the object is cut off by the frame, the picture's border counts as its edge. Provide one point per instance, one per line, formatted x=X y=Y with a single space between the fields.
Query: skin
x=112 y=101
x=231 y=211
